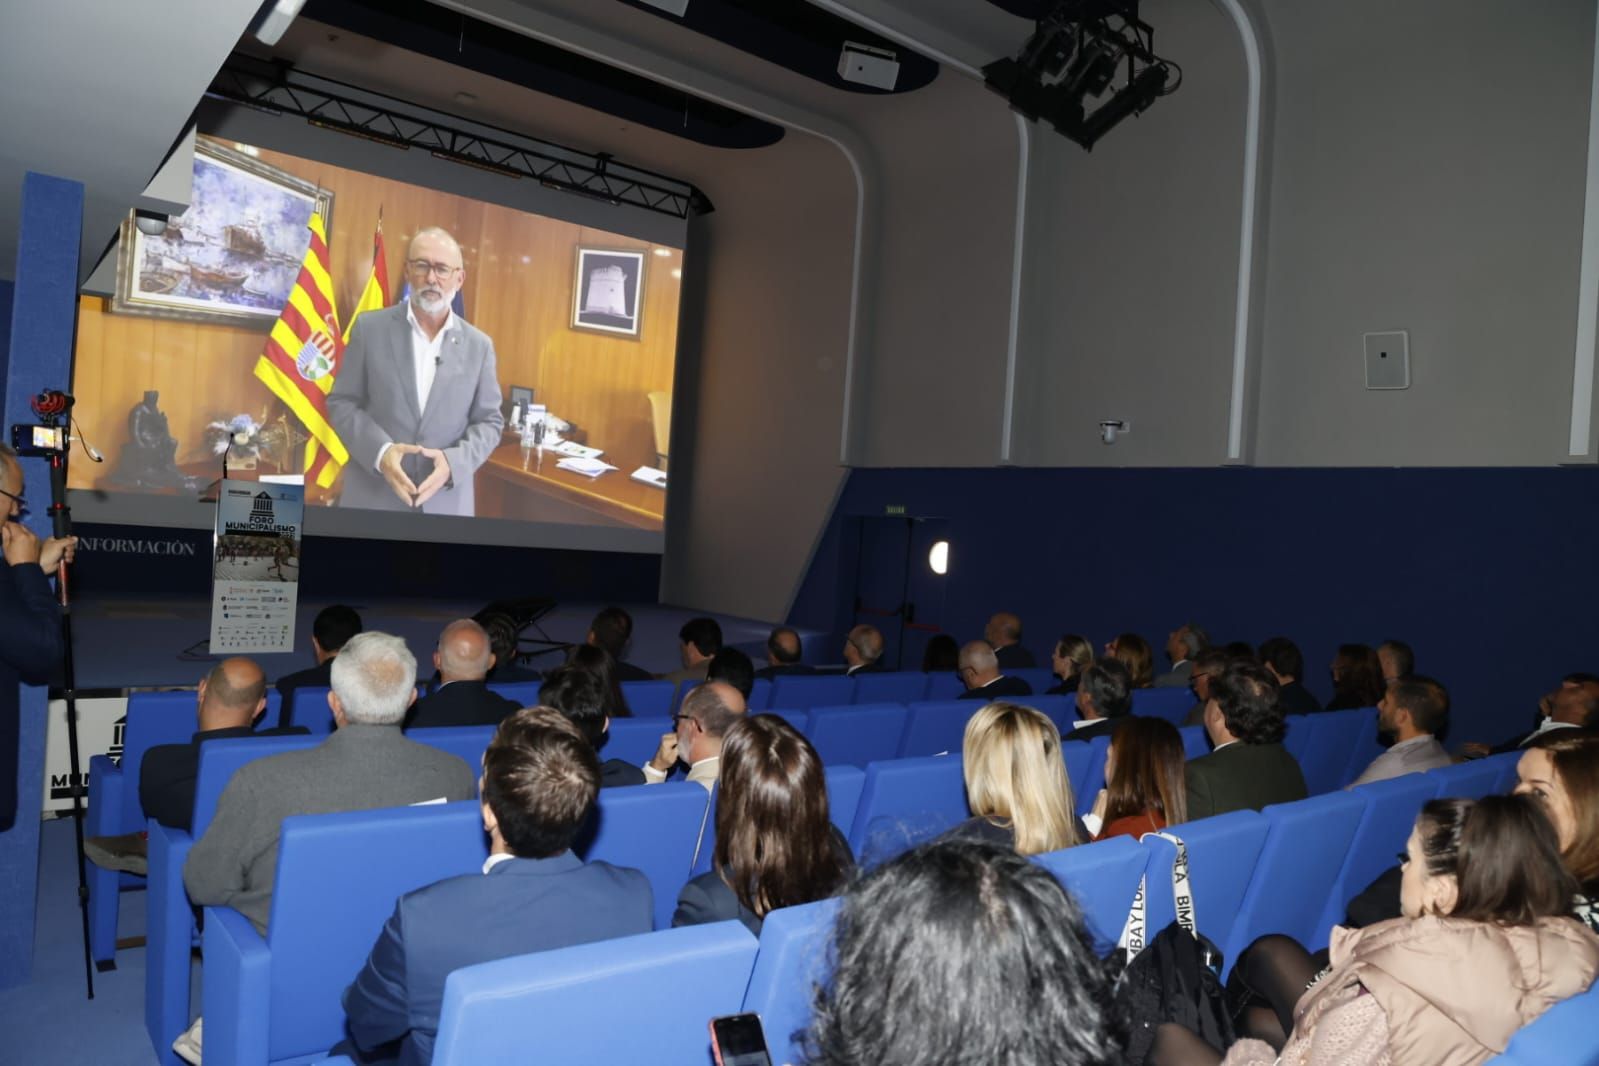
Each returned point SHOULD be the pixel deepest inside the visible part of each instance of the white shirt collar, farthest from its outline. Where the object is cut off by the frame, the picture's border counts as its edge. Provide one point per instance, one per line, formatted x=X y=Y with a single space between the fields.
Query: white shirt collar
x=410 y=316
x=1085 y=721
x=494 y=860
x=1218 y=747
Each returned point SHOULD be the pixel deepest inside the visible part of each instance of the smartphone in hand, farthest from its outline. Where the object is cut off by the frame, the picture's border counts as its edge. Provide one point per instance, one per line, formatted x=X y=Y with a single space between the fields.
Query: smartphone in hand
x=737 y=1040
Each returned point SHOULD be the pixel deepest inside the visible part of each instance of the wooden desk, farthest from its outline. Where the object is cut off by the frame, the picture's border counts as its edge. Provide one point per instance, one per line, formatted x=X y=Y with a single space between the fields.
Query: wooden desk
x=511 y=486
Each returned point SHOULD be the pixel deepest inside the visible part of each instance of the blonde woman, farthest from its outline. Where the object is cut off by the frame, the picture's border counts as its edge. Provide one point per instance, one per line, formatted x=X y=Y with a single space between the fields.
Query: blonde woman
x=1073 y=654
x=1016 y=784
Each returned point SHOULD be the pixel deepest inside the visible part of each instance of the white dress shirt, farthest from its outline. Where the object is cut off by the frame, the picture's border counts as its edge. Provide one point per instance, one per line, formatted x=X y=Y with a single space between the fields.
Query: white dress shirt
x=703 y=773
x=424 y=360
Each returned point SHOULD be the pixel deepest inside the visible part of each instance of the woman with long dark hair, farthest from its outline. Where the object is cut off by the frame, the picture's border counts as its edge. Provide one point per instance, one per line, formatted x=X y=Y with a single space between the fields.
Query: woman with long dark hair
x=1356 y=677
x=1146 y=788
x=598 y=661
x=1134 y=653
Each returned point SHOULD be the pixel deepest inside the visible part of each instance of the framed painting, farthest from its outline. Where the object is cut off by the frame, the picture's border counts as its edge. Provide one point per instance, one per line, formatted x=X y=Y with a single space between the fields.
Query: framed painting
x=234 y=255
x=608 y=292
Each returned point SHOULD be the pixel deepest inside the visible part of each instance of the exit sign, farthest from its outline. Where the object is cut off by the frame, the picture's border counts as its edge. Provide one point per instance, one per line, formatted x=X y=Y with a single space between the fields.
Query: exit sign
x=894 y=509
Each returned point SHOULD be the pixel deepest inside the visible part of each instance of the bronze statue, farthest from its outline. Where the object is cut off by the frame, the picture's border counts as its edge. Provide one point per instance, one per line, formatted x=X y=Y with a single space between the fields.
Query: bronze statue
x=149 y=459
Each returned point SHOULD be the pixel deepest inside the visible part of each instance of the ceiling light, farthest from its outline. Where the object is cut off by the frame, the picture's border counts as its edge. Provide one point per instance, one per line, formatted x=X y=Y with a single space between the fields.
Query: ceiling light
x=938 y=557
x=663 y=252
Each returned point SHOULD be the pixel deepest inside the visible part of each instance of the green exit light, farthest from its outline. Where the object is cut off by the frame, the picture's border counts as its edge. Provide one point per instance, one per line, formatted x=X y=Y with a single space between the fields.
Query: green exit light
x=894 y=508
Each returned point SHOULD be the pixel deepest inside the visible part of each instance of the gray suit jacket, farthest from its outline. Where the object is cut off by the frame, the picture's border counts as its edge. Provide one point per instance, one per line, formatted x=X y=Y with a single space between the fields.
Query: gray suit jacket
x=1177 y=676
x=373 y=403
x=358 y=768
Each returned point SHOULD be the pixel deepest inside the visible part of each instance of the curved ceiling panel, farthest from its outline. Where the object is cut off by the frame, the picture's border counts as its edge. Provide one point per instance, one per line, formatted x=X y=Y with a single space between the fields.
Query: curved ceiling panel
x=476 y=45
x=1027 y=9
x=796 y=36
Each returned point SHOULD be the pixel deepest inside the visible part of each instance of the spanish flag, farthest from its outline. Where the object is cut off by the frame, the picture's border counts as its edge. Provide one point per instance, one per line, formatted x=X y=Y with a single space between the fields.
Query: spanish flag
x=302 y=356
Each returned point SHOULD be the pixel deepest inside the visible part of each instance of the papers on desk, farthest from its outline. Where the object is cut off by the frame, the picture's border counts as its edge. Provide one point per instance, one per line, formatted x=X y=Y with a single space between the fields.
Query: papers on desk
x=650 y=476
x=578 y=451
x=586 y=467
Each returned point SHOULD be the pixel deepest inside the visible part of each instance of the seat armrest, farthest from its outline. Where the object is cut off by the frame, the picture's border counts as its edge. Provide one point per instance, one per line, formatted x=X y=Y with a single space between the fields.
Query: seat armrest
x=169 y=933
x=237 y=995
x=106 y=781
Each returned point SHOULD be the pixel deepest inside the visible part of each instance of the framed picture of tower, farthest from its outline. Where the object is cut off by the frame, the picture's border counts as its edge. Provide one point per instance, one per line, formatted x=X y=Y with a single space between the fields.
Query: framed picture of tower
x=608 y=292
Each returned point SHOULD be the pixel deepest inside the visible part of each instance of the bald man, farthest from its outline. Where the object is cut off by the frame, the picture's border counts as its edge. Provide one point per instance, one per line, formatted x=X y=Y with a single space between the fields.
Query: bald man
x=708 y=712
x=862 y=650
x=463 y=660
x=979 y=671
x=1004 y=633
x=229 y=701
x=417 y=397
x=783 y=651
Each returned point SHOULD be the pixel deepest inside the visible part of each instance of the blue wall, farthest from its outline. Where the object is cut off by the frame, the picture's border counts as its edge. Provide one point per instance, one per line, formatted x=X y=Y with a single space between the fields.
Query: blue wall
x=1488 y=573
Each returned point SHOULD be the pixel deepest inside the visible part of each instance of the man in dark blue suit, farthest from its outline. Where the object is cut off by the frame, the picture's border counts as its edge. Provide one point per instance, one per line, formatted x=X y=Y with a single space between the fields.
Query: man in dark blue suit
x=540 y=778
x=30 y=623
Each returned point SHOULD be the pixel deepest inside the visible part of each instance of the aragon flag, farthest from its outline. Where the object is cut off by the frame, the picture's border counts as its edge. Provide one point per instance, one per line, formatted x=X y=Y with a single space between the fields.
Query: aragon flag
x=302 y=356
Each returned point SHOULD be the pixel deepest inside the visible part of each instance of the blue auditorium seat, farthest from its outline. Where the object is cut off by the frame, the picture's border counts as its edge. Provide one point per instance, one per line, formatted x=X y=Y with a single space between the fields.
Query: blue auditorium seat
x=636 y=999
x=276 y=999
x=792 y=961
x=153 y=718
x=856 y=735
x=1086 y=787
x=905 y=802
x=1062 y=710
x=1333 y=737
x=634 y=740
x=1077 y=756
x=804 y=691
x=1365 y=748
x=942 y=686
x=467 y=742
x=1196 y=742
x=308 y=707
x=525 y=693
x=1222 y=852
x=169 y=924
x=1391 y=809
x=649 y=699
x=934 y=727
x=903 y=686
x=760 y=696
x=1038 y=677
x=653 y=828
x=1508 y=778
x=1102 y=877
x=1297 y=739
x=1304 y=849
x=1474 y=779
x=1563 y=1036
x=1172 y=704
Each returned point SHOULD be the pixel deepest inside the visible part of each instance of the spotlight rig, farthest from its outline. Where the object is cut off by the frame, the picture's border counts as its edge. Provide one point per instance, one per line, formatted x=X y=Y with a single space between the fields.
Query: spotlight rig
x=1071 y=74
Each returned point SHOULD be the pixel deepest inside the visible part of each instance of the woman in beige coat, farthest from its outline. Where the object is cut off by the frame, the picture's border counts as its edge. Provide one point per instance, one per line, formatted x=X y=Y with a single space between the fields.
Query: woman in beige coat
x=1487 y=944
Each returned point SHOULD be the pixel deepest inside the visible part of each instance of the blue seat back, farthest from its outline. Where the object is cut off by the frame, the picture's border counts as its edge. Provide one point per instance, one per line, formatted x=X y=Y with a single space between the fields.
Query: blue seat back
x=856 y=735
x=942 y=686
x=1333 y=736
x=1297 y=739
x=653 y=828
x=562 y=1006
x=1563 y=1034
x=760 y=696
x=1365 y=748
x=1222 y=852
x=467 y=742
x=154 y=718
x=904 y=802
x=1305 y=845
x=1058 y=709
x=804 y=691
x=220 y=758
x=1077 y=755
x=792 y=961
x=634 y=740
x=649 y=699
x=1195 y=741
x=309 y=708
x=525 y=693
x=1384 y=826
x=319 y=938
x=1102 y=877
x=1038 y=677
x=1471 y=780
x=1172 y=704
x=903 y=686
x=1087 y=786
x=933 y=727
x=1508 y=778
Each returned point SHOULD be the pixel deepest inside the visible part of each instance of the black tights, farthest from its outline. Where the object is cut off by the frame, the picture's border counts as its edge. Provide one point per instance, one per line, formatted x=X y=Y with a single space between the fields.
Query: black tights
x=1266 y=983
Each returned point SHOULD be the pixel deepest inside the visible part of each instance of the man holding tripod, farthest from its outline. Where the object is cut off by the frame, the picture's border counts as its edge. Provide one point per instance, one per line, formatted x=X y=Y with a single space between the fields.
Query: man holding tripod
x=30 y=622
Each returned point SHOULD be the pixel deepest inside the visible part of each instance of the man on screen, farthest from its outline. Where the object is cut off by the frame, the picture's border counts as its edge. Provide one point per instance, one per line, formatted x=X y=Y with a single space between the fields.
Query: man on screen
x=417 y=399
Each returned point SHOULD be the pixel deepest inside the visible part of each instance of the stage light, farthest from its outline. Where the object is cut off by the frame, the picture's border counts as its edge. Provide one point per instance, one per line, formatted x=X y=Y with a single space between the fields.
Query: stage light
x=938 y=557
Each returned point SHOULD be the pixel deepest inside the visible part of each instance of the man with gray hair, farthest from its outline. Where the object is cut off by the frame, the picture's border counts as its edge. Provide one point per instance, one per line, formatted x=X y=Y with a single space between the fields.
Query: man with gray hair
x=978 y=668
x=463 y=660
x=365 y=764
x=862 y=650
x=1182 y=644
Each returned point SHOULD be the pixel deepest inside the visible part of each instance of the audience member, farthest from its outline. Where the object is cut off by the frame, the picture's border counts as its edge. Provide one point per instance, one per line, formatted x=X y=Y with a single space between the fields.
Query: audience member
x=505 y=640
x=1016 y=783
x=734 y=667
x=1073 y=654
x=366 y=763
x=962 y=951
x=1207 y=665
x=1395 y=659
x=862 y=651
x=540 y=779
x=612 y=630
x=597 y=661
x=979 y=671
x=942 y=655
x=1414 y=710
x=699 y=639
x=332 y=629
x=708 y=712
x=1134 y=653
x=783 y=651
x=1282 y=658
x=1104 y=701
x=1574 y=705
x=580 y=695
x=775 y=843
x=1182 y=644
x=230 y=700
x=1486 y=945
x=1004 y=634
x=1248 y=768
x=463 y=659
x=1356 y=677
x=1145 y=780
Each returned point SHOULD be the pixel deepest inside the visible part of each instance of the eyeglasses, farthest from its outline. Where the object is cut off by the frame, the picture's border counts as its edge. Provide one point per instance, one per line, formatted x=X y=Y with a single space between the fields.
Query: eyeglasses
x=676 y=718
x=423 y=267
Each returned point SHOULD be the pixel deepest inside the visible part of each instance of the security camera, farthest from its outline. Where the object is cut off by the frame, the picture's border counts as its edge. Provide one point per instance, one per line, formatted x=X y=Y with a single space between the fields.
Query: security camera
x=149 y=223
x=1108 y=429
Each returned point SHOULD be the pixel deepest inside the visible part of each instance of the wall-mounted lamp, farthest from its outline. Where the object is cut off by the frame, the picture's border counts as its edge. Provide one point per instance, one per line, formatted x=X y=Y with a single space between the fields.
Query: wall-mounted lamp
x=938 y=557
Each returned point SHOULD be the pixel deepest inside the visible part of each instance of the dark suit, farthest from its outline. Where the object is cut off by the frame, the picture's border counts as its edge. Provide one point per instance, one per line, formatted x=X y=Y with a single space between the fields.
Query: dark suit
x=998 y=689
x=461 y=703
x=519 y=907
x=168 y=773
x=1014 y=657
x=1297 y=699
x=784 y=670
x=318 y=676
x=1065 y=688
x=1242 y=777
x=617 y=773
x=1100 y=727
x=30 y=651
x=864 y=668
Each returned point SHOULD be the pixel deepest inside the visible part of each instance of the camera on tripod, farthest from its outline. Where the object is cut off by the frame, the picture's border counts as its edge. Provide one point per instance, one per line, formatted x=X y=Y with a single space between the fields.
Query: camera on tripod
x=39 y=440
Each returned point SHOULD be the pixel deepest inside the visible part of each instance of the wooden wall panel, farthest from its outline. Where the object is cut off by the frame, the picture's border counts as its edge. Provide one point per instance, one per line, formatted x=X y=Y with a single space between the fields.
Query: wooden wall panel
x=520 y=270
